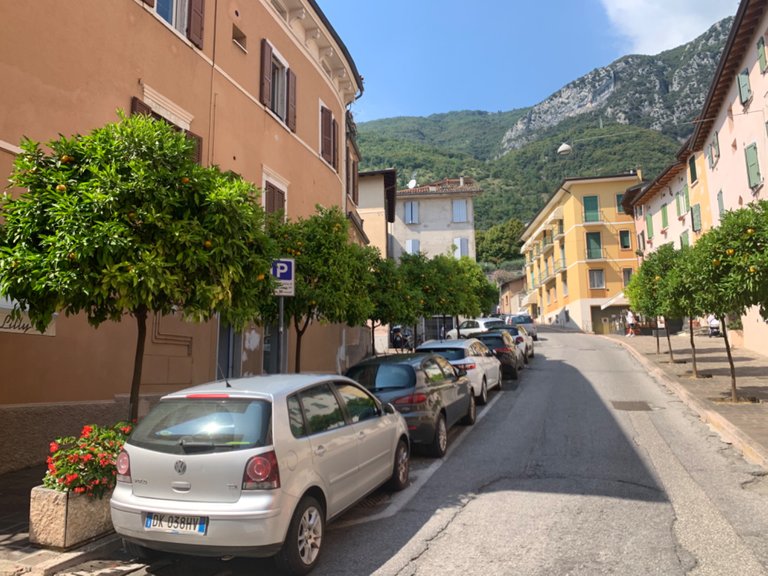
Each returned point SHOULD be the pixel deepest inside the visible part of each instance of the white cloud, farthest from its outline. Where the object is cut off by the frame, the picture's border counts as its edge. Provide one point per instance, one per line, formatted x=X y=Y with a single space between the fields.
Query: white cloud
x=652 y=26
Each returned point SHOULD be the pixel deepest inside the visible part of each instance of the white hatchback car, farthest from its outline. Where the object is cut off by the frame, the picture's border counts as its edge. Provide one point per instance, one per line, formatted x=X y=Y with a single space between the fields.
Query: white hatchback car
x=474 y=325
x=471 y=355
x=255 y=467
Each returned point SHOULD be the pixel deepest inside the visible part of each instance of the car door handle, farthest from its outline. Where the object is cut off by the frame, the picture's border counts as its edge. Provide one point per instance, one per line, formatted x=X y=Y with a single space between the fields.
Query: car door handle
x=320 y=450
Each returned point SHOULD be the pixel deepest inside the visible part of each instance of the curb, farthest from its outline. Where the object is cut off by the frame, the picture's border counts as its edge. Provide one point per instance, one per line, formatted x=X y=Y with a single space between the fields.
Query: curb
x=63 y=560
x=752 y=451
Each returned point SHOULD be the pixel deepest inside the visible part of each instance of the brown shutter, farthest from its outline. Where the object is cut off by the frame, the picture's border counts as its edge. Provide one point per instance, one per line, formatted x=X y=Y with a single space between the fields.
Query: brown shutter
x=291 y=107
x=335 y=141
x=150 y=3
x=139 y=107
x=326 y=134
x=198 y=146
x=266 y=74
x=274 y=199
x=355 y=188
x=195 y=22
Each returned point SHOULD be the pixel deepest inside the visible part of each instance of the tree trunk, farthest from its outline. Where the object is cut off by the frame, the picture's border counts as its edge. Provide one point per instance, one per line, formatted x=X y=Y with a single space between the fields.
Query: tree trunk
x=373 y=337
x=299 y=333
x=734 y=395
x=669 y=343
x=138 y=361
x=693 y=347
x=658 y=342
x=458 y=332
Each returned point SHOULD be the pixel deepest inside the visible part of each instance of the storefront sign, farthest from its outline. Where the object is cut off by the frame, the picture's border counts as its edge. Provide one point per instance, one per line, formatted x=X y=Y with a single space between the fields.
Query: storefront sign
x=22 y=324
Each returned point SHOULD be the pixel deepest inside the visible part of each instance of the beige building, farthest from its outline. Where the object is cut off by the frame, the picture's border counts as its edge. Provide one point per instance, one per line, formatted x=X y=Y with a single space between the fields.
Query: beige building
x=436 y=218
x=377 y=205
x=262 y=87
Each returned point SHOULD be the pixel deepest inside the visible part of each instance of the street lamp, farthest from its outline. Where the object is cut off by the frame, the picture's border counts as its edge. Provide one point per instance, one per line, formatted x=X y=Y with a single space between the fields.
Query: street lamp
x=564 y=149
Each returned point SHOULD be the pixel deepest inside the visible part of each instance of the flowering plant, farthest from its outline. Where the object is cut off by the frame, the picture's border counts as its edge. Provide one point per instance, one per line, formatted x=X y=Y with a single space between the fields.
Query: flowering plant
x=86 y=464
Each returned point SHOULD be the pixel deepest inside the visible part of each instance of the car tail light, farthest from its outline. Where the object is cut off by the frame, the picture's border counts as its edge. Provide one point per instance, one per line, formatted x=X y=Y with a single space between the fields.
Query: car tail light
x=411 y=399
x=467 y=367
x=505 y=349
x=123 y=465
x=519 y=339
x=262 y=473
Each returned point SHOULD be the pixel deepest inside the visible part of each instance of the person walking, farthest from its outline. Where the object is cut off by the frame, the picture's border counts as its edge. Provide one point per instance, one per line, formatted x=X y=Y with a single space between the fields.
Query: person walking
x=630 y=324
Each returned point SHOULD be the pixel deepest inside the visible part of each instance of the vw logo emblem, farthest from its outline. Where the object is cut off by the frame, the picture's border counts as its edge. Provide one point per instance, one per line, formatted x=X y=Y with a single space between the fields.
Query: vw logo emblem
x=180 y=467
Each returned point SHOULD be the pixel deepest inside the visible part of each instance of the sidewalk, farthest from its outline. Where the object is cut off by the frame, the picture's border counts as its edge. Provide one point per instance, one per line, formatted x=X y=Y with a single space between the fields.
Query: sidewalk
x=744 y=425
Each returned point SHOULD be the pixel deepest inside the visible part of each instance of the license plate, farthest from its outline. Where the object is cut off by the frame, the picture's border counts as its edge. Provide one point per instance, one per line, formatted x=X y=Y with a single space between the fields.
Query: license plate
x=175 y=524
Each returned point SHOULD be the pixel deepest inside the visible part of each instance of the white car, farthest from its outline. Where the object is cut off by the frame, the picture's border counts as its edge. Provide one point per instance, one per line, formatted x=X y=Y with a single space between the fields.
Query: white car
x=524 y=320
x=255 y=467
x=473 y=326
x=472 y=356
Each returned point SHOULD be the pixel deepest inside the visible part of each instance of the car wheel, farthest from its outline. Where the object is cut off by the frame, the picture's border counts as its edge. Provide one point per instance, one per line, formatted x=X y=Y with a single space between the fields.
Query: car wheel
x=440 y=441
x=302 y=545
x=482 y=398
x=515 y=373
x=401 y=468
x=471 y=416
x=139 y=552
x=525 y=358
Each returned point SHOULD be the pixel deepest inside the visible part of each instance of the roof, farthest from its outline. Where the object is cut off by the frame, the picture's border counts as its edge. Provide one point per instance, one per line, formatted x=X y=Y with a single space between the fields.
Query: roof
x=744 y=27
x=645 y=193
x=447 y=186
x=271 y=385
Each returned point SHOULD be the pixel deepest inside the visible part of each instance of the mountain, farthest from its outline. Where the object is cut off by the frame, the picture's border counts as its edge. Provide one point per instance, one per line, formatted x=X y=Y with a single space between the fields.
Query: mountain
x=631 y=115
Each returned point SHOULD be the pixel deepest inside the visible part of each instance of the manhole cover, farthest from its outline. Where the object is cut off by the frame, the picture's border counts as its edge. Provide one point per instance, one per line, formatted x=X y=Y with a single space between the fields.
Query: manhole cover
x=632 y=406
x=375 y=500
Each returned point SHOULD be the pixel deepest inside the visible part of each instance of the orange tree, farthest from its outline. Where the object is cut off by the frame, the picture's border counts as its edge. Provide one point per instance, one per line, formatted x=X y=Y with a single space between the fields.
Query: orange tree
x=333 y=277
x=732 y=264
x=394 y=300
x=123 y=221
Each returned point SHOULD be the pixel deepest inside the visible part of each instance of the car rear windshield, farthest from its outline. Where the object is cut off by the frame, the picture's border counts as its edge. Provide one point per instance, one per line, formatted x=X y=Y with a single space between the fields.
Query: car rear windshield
x=522 y=319
x=494 y=324
x=377 y=377
x=493 y=341
x=194 y=425
x=447 y=353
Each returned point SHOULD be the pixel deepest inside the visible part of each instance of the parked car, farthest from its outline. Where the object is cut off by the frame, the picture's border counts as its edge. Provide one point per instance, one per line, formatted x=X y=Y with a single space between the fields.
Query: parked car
x=472 y=326
x=255 y=467
x=429 y=391
x=523 y=339
x=526 y=322
x=472 y=356
x=511 y=356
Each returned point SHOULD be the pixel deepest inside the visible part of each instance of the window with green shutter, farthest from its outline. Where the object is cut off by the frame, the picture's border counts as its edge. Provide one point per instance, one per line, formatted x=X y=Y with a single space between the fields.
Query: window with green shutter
x=720 y=205
x=619 y=198
x=753 y=166
x=696 y=217
x=745 y=91
x=664 y=217
x=684 y=239
x=761 y=54
x=716 y=145
x=591 y=209
x=686 y=199
x=649 y=225
x=594 y=246
x=692 y=168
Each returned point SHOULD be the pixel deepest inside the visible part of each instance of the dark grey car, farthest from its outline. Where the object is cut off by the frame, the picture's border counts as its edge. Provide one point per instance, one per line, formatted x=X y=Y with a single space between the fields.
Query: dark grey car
x=430 y=393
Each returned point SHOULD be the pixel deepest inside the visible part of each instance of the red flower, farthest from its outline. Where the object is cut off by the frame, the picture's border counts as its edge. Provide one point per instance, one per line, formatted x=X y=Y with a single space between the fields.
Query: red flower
x=53 y=447
x=79 y=490
x=86 y=431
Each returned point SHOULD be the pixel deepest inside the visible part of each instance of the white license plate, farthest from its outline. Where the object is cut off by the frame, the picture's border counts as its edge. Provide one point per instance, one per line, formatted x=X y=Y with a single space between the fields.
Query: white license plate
x=175 y=523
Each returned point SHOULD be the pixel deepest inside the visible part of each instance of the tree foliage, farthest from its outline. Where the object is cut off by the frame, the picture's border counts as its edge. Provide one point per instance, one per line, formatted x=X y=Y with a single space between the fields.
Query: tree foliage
x=500 y=243
x=124 y=221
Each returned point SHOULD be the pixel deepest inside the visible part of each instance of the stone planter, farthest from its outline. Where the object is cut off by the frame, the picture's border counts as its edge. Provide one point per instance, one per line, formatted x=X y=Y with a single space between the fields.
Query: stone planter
x=63 y=520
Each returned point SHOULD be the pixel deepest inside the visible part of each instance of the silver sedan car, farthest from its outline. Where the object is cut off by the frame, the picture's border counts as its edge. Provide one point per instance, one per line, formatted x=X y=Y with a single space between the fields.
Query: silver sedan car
x=255 y=467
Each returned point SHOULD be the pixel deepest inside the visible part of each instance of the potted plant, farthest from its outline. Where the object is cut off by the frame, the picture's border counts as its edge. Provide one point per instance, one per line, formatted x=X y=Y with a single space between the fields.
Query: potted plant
x=72 y=505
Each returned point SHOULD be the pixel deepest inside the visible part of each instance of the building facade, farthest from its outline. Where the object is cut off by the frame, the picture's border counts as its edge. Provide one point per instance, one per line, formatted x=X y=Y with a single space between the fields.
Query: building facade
x=580 y=253
x=263 y=89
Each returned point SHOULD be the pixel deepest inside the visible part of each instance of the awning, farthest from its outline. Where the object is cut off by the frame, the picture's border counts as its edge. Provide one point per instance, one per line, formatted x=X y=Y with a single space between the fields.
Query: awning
x=618 y=300
x=530 y=298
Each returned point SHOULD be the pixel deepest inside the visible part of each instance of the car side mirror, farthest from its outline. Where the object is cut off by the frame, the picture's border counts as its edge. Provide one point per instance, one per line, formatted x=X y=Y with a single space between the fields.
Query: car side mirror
x=461 y=372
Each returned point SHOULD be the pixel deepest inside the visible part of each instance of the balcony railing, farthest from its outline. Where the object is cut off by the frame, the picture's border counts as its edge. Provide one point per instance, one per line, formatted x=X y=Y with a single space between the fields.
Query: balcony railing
x=593 y=216
x=594 y=253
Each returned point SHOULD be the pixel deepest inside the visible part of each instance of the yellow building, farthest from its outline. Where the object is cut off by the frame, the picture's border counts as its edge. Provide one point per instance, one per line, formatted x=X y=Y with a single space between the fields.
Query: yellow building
x=580 y=254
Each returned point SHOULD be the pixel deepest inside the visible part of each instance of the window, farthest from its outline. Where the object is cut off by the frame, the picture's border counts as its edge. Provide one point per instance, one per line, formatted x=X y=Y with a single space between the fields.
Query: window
x=619 y=198
x=664 y=217
x=696 y=217
x=761 y=54
x=624 y=240
x=626 y=275
x=565 y=284
x=715 y=148
x=433 y=373
x=459 y=210
x=186 y=16
x=411 y=208
x=681 y=202
x=329 y=135
x=753 y=166
x=296 y=418
x=321 y=409
x=353 y=186
x=692 y=169
x=720 y=204
x=277 y=90
x=274 y=199
x=684 y=241
x=591 y=209
x=359 y=405
x=596 y=279
x=239 y=38
x=639 y=211
x=594 y=246
x=141 y=107
x=412 y=246
x=649 y=225
x=641 y=241
x=460 y=247
x=745 y=91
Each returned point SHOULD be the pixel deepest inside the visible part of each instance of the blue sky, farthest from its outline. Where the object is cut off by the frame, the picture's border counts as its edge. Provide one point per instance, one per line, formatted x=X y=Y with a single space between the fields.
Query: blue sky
x=421 y=57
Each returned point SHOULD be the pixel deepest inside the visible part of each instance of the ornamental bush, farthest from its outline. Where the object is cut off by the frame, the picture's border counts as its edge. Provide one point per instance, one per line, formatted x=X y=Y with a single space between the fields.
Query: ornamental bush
x=86 y=464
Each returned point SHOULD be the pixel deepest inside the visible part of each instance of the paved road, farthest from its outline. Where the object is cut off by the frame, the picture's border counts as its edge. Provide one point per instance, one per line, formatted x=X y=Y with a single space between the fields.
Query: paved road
x=588 y=468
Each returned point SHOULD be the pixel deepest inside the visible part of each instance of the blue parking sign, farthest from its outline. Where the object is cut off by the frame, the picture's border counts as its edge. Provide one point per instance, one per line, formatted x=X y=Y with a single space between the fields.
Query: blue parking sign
x=283 y=271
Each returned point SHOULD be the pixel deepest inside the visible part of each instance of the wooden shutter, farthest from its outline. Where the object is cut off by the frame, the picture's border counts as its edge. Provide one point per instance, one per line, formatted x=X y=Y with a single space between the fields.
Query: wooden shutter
x=664 y=217
x=139 y=107
x=274 y=199
x=265 y=92
x=326 y=134
x=745 y=91
x=195 y=22
x=335 y=143
x=649 y=225
x=696 y=217
x=753 y=167
x=716 y=145
x=355 y=184
x=761 y=54
x=290 y=119
x=720 y=204
x=197 y=141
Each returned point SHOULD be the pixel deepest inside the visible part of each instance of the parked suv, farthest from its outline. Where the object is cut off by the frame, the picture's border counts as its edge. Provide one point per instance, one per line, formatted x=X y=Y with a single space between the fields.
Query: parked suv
x=255 y=467
x=469 y=327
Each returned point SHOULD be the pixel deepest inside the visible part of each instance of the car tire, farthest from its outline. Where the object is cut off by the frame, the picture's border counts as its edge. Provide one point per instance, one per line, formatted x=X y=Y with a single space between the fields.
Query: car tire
x=525 y=359
x=531 y=351
x=440 y=441
x=471 y=416
x=303 y=544
x=401 y=468
x=139 y=552
x=482 y=398
x=515 y=373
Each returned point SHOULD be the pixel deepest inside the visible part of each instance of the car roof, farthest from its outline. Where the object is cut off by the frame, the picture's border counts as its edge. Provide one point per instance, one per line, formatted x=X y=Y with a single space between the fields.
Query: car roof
x=456 y=343
x=267 y=386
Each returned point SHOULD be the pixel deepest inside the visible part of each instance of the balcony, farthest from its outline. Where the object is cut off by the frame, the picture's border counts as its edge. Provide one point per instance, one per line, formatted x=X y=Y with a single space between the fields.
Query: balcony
x=560 y=265
x=595 y=253
x=548 y=245
x=594 y=217
x=558 y=230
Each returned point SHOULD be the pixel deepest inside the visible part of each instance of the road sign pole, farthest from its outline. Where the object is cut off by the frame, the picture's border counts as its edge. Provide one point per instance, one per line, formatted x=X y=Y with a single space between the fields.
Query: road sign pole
x=281 y=356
